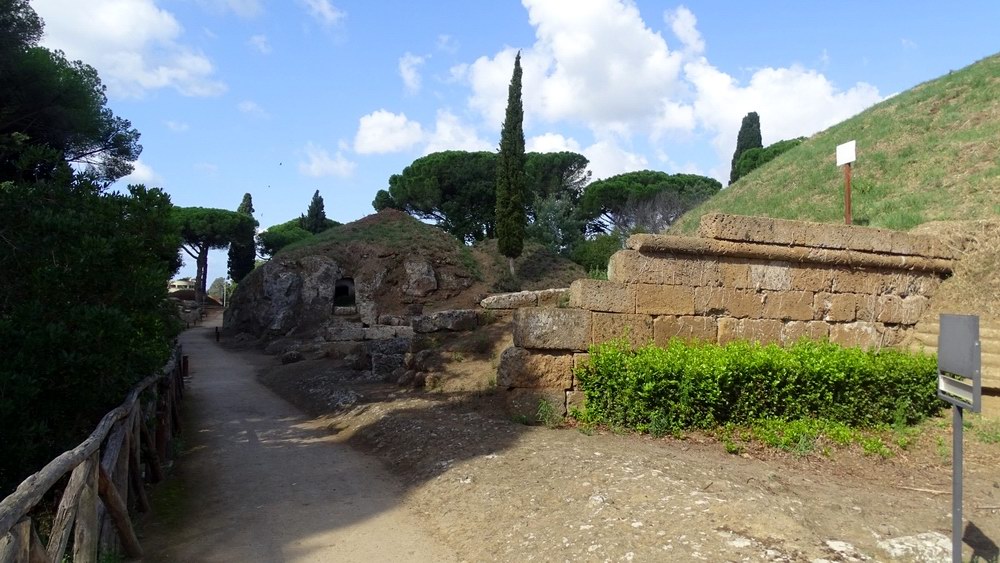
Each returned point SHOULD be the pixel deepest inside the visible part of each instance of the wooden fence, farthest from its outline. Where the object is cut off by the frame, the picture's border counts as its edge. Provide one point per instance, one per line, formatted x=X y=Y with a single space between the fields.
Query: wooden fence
x=107 y=472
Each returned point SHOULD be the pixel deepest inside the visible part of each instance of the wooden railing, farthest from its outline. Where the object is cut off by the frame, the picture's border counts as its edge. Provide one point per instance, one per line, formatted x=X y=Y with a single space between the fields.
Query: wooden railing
x=108 y=473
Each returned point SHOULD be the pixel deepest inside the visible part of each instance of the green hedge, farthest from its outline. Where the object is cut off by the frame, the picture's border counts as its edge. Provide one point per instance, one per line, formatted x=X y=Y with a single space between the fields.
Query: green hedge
x=705 y=385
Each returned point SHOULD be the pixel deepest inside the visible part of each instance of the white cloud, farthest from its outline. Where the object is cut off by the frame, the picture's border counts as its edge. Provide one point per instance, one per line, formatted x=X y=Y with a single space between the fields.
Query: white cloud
x=142 y=173
x=791 y=102
x=597 y=64
x=409 y=70
x=260 y=43
x=450 y=133
x=383 y=132
x=134 y=45
x=684 y=25
x=324 y=12
x=242 y=8
x=447 y=43
x=250 y=107
x=319 y=163
x=607 y=159
x=908 y=43
x=176 y=126
x=551 y=142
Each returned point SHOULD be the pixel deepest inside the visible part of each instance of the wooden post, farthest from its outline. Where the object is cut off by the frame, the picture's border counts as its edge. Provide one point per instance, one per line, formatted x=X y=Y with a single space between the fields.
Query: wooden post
x=66 y=515
x=15 y=546
x=85 y=530
x=847 y=194
x=119 y=515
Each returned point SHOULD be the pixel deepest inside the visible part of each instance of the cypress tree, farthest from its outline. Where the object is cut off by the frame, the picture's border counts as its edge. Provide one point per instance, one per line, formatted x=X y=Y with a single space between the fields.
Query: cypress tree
x=510 y=220
x=748 y=138
x=242 y=249
x=314 y=220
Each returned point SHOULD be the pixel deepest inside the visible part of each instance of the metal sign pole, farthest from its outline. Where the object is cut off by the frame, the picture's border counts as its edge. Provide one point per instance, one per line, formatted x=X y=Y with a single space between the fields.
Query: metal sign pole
x=956 y=484
x=847 y=194
x=959 y=383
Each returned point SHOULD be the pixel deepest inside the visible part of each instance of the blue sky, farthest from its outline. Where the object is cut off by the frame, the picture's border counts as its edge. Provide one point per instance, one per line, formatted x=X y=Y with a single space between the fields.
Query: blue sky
x=283 y=98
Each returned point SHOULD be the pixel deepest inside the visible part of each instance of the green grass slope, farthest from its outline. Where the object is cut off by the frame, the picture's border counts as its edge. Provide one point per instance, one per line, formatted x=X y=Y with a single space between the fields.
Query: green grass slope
x=931 y=153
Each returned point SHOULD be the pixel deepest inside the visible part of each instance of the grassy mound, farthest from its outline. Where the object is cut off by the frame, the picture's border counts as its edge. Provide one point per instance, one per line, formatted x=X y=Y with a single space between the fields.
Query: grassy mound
x=928 y=154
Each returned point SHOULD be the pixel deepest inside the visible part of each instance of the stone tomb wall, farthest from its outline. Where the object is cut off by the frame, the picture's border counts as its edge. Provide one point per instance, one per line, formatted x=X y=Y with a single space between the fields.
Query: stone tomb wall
x=742 y=278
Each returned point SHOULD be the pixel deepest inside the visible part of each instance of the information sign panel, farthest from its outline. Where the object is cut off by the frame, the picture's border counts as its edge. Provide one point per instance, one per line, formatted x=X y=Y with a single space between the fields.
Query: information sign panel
x=960 y=361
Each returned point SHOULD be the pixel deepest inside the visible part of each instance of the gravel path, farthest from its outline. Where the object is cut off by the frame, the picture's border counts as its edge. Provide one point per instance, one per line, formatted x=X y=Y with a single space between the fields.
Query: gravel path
x=257 y=482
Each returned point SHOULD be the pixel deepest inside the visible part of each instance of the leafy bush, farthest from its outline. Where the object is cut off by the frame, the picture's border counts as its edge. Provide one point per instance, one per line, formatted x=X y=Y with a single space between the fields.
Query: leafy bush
x=686 y=386
x=594 y=254
x=754 y=158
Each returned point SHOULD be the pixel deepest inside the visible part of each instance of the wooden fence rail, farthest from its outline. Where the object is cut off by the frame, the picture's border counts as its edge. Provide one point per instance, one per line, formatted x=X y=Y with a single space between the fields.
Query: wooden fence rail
x=107 y=472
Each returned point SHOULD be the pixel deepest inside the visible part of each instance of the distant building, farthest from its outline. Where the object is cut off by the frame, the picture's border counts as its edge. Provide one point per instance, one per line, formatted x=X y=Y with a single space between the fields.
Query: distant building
x=181 y=284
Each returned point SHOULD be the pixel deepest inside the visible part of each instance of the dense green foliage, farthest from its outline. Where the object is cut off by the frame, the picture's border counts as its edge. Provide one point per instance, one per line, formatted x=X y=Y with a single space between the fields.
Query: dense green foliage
x=757 y=157
x=49 y=102
x=510 y=181
x=644 y=201
x=243 y=248
x=314 y=220
x=686 y=386
x=83 y=273
x=204 y=228
x=593 y=254
x=923 y=155
x=748 y=138
x=457 y=189
x=83 y=310
x=279 y=236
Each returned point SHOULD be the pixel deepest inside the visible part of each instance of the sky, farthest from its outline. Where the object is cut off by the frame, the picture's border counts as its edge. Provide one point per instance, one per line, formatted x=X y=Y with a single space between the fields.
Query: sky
x=283 y=98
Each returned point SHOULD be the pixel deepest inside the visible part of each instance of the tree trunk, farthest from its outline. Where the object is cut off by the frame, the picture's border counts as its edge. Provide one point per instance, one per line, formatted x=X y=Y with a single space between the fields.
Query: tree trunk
x=200 y=277
x=510 y=262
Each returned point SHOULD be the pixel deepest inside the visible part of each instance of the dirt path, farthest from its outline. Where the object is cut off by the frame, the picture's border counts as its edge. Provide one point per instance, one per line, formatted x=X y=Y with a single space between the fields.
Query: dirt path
x=256 y=482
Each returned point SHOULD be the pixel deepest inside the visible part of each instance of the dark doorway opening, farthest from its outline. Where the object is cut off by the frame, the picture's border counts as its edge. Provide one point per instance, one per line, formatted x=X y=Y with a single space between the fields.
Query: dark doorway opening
x=343 y=293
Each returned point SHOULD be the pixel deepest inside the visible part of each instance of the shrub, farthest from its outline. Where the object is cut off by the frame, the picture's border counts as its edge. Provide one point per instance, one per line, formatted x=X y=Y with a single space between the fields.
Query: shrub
x=685 y=386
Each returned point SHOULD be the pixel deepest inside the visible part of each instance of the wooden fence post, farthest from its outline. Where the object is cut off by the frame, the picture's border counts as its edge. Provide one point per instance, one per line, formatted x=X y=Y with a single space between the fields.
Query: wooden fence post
x=85 y=530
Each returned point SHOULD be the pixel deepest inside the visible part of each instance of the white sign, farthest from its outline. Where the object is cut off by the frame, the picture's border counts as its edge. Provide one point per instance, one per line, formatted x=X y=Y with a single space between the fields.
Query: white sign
x=846 y=153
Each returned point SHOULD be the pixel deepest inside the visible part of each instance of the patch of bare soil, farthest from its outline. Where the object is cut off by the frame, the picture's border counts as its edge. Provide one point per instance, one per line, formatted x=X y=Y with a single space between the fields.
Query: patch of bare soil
x=975 y=286
x=496 y=490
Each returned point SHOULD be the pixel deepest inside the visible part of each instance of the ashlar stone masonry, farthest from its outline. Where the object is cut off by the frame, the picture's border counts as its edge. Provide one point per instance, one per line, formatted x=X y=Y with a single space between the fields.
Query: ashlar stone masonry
x=742 y=278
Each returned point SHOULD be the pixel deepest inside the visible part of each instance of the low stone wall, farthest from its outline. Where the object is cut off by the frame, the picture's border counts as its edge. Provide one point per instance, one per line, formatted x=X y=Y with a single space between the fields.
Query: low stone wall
x=743 y=278
x=522 y=299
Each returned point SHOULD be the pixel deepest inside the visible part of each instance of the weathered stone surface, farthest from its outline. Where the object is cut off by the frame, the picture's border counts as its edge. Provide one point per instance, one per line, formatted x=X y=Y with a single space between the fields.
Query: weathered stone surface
x=341 y=350
x=690 y=329
x=734 y=273
x=793 y=331
x=637 y=329
x=765 y=331
x=424 y=360
x=393 y=320
x=893 y=309
x=389 y=346
x=835 y=307
x=420 y=277
x=576 y=400
x=384 y=365
x=819 y=235
x=788 y=305
x=860 y=334
x=774 y=276
x=724 y=301
x=851 y=280
x=291 y=356
x=523 y=368
x=453 y=320
x=631 y=266
x=510 y=300
x=345 y=310
x=552 y=329
x=602 y=295
x=338 y=330
x=664 y=300
x=379 y=332
x=552 y=297
x=810 y=278
x=525 y=402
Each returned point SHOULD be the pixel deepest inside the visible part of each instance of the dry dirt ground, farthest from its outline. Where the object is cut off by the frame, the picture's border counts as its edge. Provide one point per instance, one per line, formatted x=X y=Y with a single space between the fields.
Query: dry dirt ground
x=493 y=489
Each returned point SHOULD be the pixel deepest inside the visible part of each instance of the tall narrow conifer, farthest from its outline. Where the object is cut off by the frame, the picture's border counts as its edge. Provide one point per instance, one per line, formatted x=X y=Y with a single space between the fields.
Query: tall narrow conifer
x=510 y=220
x=747 y=138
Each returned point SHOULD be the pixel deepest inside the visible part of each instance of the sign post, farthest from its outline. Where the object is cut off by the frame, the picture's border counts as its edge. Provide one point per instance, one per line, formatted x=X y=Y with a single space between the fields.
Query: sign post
x=959 y=383
x=846 y=154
